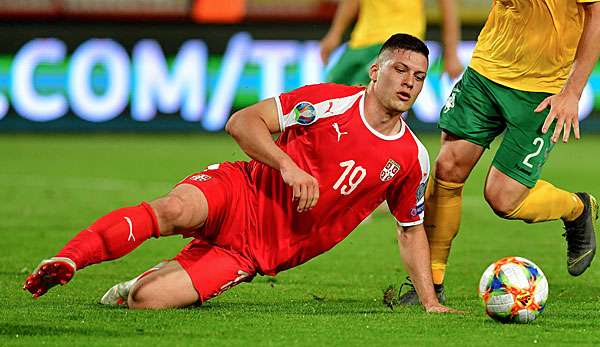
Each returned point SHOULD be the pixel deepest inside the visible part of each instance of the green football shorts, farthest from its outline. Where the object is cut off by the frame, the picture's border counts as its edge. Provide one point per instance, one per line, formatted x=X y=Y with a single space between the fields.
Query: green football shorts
x=478 y=110
x=353 y=66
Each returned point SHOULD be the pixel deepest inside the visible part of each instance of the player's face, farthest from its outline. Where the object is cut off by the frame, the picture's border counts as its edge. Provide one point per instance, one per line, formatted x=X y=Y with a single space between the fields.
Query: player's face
x=398 y=78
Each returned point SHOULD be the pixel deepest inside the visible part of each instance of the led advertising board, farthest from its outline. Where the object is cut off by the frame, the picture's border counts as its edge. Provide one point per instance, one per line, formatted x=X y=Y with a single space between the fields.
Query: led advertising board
x=46 y=84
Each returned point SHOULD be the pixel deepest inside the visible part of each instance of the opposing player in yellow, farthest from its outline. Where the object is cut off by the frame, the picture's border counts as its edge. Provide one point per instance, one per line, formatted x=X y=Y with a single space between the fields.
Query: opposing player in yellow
x=378 y=20
x=528 y=71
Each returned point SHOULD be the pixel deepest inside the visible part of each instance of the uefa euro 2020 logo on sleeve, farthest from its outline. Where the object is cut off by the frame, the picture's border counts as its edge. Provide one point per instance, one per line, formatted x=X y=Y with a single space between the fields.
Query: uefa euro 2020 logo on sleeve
x=305 y=113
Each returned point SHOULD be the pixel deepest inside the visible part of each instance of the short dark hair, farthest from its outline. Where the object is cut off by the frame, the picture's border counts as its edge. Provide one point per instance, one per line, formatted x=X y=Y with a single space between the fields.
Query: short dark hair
x=407 y=42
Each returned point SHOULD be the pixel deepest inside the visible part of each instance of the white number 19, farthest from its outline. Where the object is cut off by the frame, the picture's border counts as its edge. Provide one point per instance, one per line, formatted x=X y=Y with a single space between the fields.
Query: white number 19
x=353 y=180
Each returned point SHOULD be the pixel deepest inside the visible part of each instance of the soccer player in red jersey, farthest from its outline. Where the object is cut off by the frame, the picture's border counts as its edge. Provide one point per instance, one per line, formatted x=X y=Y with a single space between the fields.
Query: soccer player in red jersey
x=341 y=152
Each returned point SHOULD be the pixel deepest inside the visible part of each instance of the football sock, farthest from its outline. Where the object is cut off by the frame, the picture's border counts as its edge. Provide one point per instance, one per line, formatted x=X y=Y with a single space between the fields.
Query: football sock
x=112 y=236
x=546 y=202
x=443 y=202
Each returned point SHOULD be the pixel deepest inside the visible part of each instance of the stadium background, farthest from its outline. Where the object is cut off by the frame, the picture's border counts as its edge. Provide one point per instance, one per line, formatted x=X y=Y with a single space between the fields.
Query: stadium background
x=183 y=65
x=94 y=97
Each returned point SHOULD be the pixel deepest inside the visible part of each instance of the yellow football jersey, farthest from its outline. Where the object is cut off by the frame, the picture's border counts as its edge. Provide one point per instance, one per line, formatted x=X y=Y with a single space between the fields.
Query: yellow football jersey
x=380 y=19
x=530 y=44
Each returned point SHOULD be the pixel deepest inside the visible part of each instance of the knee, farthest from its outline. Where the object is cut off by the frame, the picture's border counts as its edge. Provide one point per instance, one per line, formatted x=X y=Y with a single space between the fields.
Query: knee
x=169 y=210
x=143 y=298
x=501 y=203
x=449 y=169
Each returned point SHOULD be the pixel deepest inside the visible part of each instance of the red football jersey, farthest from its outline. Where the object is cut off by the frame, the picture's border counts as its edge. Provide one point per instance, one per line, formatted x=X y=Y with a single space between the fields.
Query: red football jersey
x=323 y=129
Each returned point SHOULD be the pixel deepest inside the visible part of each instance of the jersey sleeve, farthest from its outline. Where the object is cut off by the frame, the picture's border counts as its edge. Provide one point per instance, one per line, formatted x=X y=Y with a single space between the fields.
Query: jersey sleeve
x=406 y=198
x=306 y=105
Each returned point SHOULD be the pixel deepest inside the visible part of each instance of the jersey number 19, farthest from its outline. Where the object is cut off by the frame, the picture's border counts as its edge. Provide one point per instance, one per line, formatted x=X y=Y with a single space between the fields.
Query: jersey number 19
x=358 y=175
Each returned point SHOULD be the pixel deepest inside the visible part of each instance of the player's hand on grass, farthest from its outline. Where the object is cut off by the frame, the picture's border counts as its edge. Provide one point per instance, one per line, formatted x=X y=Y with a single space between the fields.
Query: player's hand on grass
x=305 y=187
x=439 y=308
x=563 y=108
x=328 y=44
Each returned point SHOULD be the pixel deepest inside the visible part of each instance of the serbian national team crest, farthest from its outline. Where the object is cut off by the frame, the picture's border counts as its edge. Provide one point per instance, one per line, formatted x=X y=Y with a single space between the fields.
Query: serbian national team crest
x=305 y=113
x=200 y=178
x=389 y=171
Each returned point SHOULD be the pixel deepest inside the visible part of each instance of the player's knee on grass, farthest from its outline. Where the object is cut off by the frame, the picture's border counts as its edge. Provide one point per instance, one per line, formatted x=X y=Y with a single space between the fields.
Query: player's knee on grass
x=184 y=208
x=168 y=287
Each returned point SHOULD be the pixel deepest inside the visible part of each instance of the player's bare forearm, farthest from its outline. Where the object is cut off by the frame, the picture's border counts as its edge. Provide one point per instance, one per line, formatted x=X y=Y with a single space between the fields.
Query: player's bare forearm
x=344 y=16
x=450 y=37
x=588 y=51
x=414 y=251
x=564 y=105
x=252 y=128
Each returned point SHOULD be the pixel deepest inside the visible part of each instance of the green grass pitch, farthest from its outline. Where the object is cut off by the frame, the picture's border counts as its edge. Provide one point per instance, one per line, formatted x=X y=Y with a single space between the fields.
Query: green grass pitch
x=51 y=186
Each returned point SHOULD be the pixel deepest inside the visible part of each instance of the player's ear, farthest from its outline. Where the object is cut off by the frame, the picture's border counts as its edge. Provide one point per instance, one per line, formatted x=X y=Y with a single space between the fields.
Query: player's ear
x=373 y=70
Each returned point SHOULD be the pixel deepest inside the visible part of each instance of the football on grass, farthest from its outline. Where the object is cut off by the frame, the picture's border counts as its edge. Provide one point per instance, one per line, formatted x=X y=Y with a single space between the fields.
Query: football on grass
x=513 y=290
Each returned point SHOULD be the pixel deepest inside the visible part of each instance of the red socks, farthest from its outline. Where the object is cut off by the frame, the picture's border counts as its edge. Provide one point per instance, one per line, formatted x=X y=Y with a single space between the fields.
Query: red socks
x=112 y=236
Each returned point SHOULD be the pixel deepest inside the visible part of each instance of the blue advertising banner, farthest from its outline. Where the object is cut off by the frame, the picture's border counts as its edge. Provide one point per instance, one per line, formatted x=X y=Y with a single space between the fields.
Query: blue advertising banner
x=100 y=83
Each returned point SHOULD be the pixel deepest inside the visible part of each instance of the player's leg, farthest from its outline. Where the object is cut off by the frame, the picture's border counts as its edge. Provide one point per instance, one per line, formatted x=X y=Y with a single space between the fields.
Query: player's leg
x=470 y=122
x=209 y=267
x=168 y=287
x=198 y=273
x=513 y=188
x=120 y=232
x=512 y=199
x=443 y=204
x=443 y=198
x=118 y=294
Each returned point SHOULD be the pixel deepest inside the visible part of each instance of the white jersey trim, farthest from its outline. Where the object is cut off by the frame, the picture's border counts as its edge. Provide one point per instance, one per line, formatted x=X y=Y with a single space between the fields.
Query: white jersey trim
x=423 y=157
x=410 y=224
x=324 y=109
x=375 y=132
x=279 y=113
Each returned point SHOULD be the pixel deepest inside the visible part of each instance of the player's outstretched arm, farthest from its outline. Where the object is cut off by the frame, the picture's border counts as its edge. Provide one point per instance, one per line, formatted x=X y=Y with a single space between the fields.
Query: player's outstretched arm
x=414 y=251
x=450 y=37
x=564 y=105
x=252 y=128
x=344 y=15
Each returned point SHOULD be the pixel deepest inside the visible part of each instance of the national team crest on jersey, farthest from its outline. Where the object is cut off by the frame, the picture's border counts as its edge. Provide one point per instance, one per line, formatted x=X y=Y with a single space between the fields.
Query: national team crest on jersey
x=305 y=113
x=200 y=178
x=389 y=171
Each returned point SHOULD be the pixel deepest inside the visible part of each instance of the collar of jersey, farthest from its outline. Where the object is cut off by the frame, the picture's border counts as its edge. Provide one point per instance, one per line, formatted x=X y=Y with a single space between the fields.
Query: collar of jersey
x=361 y=108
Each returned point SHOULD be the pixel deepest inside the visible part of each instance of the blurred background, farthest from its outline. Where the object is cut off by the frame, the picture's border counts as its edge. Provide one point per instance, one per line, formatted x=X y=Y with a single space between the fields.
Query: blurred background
x=184 y=65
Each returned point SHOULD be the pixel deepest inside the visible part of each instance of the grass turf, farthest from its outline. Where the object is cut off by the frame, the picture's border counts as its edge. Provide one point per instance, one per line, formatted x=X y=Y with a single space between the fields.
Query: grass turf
x=54 y=185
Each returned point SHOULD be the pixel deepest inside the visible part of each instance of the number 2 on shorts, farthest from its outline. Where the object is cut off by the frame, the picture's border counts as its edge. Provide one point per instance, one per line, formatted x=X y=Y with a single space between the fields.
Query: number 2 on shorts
x=540 y=143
